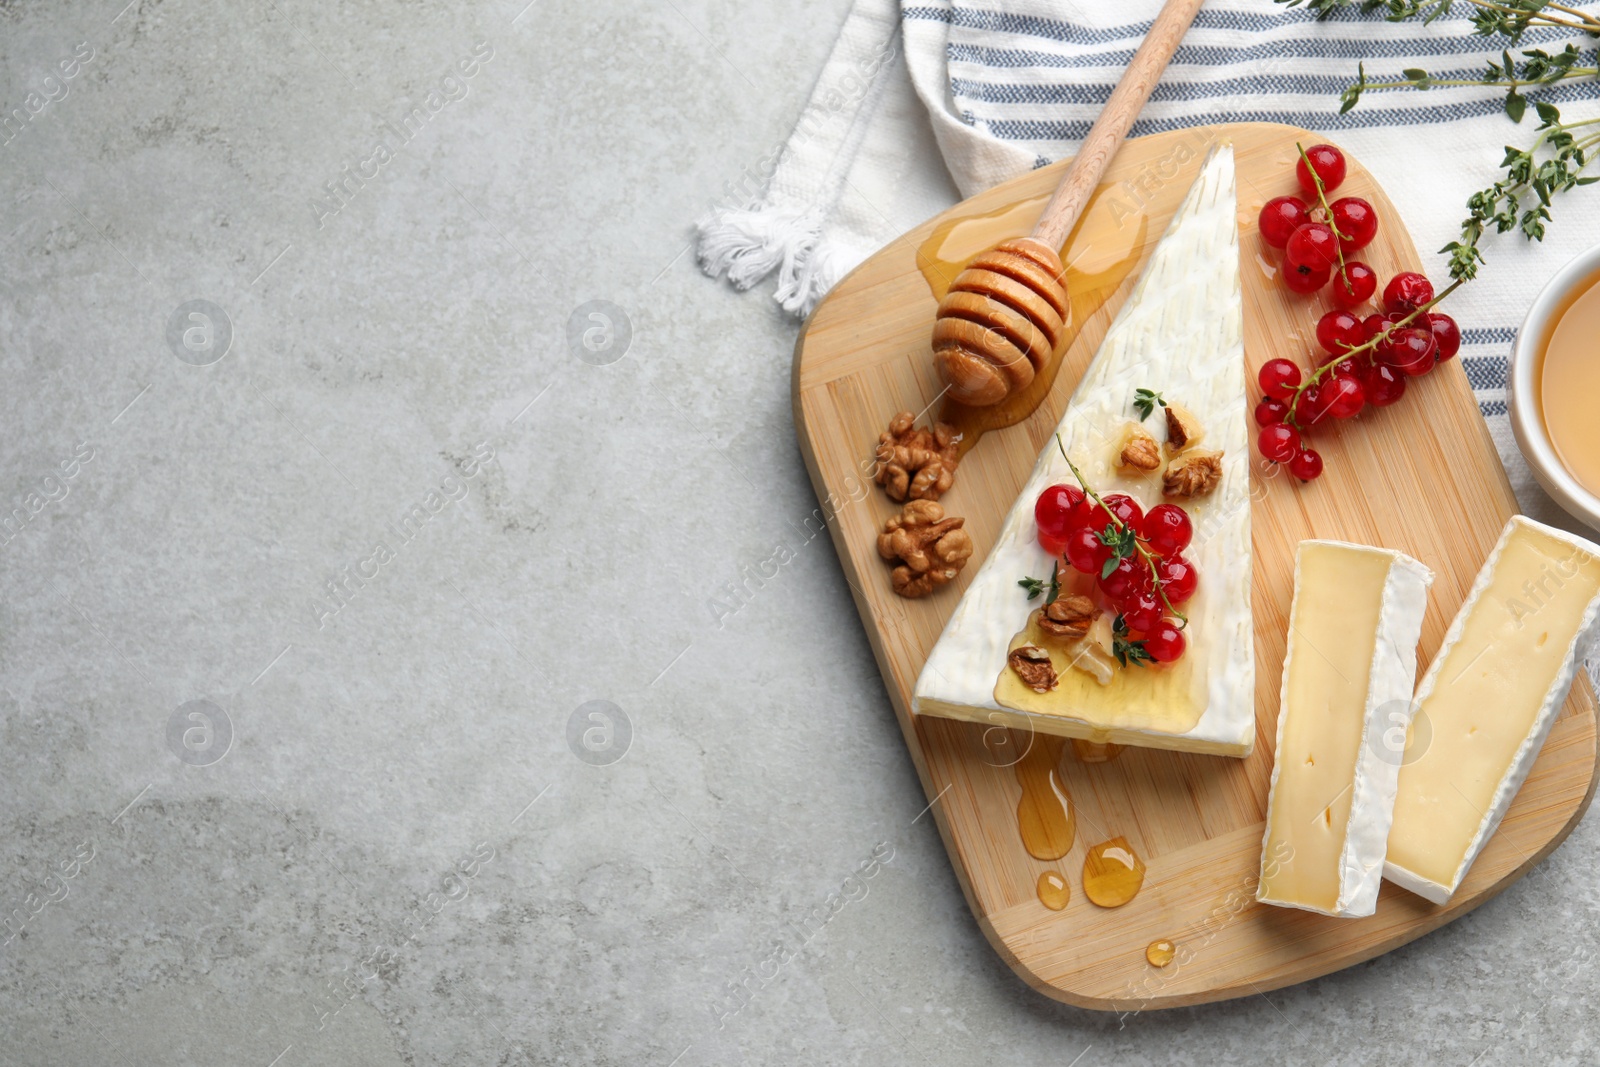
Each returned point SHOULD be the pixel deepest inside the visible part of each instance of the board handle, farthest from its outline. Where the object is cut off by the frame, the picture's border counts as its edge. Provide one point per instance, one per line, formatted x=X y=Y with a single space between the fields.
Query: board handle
x=1105 y=137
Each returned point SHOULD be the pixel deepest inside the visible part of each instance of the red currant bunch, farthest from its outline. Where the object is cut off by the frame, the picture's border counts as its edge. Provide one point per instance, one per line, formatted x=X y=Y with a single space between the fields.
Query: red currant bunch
x=1131 y=560
x=1316 y=236
x=1364 y=361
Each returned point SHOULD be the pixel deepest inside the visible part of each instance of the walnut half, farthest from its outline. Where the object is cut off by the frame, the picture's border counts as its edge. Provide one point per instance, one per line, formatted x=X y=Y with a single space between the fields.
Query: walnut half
x=1183 y=429
x=1033 y=666
x=1139 y=453
x=1192 y=474
x=1070 y=616
x=917 y=464
x=930 y=550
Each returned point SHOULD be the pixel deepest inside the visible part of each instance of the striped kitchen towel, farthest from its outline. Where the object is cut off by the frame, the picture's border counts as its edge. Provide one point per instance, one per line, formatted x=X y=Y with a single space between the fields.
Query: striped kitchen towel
x=1006 y=85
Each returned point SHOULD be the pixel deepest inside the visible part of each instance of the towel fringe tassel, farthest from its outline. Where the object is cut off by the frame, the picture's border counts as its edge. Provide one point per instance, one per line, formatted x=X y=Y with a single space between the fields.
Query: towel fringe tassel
x=747 y=244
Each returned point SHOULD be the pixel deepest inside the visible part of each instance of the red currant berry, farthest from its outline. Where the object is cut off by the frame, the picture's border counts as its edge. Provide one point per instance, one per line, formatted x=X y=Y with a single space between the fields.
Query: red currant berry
x=1311 y=247
x=1085 y=552
x=1446 y=334
x=1384 y=385
x=1345 y=396
x=1178 y=578
x=1142 y=611
x=1278 y=443
x=1271 y=411
x=1279 y=378
x=1280 y=217
x=1305 y=281
x=1380 y=324
x=1354 y=218
x=1164 y=643
x=1406 y=292
x=1124 y=507
x=1312 y=407
x=1053 y=513
x=1167 y=529
x=1409 y=349
x=1129 y=576
x=1351 y=367
x=1329 y=164
x=1354 y=286
x=1339 y=331
x=1307 y=466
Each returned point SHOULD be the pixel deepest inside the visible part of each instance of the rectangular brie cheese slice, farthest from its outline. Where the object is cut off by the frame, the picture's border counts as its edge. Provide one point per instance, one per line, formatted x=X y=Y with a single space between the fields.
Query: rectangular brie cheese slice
x=1180 y=333
x=1488 y=700
x=1347 y=681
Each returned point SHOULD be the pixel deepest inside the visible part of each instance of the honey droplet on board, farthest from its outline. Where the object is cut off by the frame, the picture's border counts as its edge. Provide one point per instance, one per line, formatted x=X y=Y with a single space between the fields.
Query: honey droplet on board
x=1094 y=752
x=1054 y=892
x=1160 y=953
x=1046 y=818
x=1112 y=873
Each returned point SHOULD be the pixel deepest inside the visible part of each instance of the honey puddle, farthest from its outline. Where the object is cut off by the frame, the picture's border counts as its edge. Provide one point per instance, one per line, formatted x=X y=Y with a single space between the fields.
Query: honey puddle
x=1112 y=873
x=1160 y=953
x=1099 y=256
x=1045 y=816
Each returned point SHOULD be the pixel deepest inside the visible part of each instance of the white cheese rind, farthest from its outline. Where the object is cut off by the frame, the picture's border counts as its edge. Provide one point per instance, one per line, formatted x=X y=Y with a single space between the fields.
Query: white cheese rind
x=1522 y=762
x=1181 y=332
x=1390 y=678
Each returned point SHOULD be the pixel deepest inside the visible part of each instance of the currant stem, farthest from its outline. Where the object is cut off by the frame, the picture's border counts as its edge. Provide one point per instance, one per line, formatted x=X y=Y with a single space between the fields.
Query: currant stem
x=1327 y=368
x=1144 y=553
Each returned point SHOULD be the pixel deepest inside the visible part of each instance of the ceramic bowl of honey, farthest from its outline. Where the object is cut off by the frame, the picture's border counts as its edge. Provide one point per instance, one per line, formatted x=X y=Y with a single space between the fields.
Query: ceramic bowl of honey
x=1553 y=388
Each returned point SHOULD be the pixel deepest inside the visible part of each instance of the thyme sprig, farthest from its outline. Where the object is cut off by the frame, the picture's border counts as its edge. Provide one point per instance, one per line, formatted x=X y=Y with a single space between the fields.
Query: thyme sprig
x=1052 y=588
x=1128 y=651
x=1147 y=400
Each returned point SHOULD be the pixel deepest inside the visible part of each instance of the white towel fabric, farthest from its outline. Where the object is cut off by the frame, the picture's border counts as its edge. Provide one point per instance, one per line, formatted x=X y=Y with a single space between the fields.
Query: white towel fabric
x=1007 y=85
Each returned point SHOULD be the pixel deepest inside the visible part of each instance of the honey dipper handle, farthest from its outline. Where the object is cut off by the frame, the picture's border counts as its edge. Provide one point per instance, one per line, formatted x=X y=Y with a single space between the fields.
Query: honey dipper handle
x=1127 y=99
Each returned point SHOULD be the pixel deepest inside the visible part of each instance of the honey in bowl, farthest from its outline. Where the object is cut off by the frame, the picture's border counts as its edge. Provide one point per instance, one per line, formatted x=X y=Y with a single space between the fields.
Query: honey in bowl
x=1569 y=384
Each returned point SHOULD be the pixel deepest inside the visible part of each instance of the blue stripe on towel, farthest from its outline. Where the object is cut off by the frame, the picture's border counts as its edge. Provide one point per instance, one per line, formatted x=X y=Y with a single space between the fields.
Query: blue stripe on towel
x=1075 y=93
x=1077 y=34
x=1362 y=118
x=1485 y=372
x=1203 y=55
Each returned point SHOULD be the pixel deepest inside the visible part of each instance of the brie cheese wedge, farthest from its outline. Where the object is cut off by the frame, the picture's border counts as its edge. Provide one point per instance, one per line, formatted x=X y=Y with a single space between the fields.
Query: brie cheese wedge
x=1488 y=700
x=1346 y=702
x=1181 y=334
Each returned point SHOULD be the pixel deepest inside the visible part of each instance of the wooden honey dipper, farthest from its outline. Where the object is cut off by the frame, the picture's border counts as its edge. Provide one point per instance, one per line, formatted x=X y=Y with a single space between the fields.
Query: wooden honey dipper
x=1007 y=311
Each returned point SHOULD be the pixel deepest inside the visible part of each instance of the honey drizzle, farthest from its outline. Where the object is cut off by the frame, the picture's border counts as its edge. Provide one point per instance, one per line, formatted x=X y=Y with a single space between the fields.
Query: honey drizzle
x=1046 y=818
x=1094 y=751
x=1099 y=256
x=1112 y=873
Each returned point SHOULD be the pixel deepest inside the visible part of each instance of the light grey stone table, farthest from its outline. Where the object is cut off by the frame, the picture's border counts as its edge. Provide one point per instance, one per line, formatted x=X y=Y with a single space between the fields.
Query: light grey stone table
x=308 y=587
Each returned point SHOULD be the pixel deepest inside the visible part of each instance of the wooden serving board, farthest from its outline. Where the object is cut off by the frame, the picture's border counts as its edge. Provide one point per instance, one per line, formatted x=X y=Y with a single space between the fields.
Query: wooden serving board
x=1422 y=476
